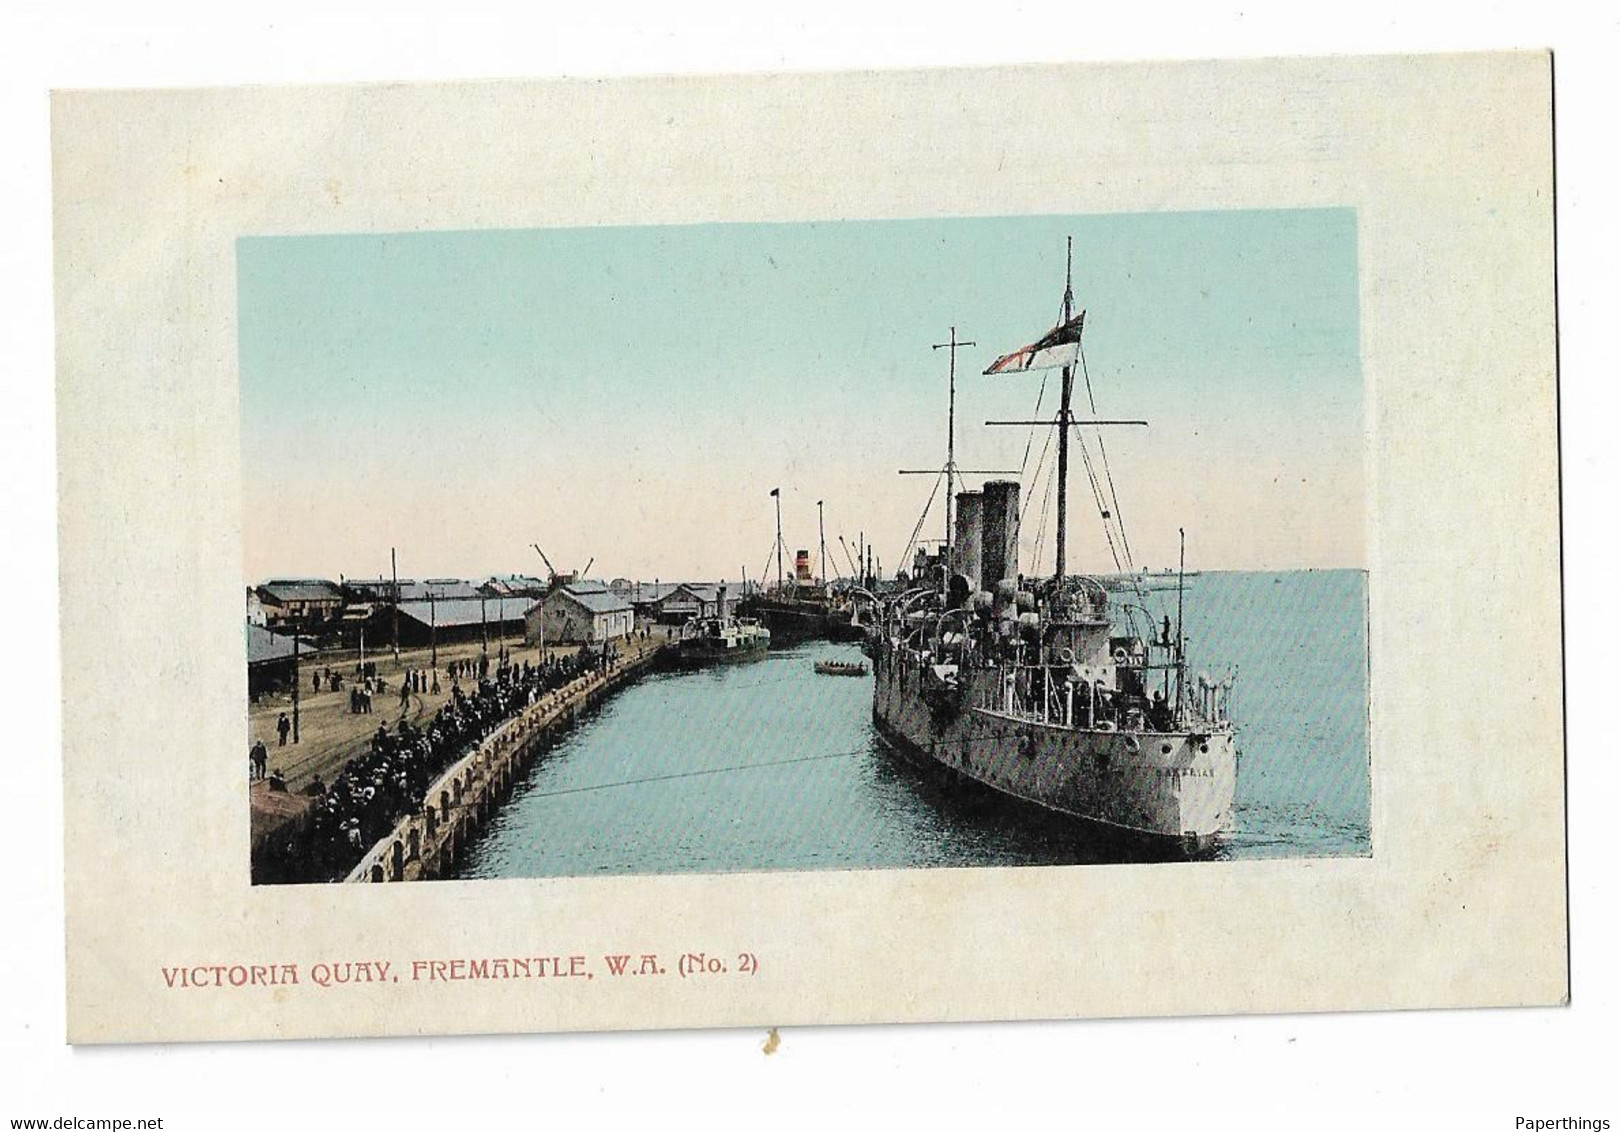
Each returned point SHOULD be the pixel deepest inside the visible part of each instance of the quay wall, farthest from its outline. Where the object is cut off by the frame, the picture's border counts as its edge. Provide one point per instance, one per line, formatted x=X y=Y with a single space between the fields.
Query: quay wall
x=427 y=845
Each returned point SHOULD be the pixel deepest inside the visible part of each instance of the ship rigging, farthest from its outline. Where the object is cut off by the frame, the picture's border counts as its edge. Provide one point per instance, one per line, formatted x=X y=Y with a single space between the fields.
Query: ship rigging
x=1033 y=690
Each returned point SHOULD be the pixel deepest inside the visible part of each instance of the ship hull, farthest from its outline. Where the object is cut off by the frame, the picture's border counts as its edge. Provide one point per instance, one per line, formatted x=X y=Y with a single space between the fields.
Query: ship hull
x=843 y=629
x=705 y=658
x=794 y=622
x=710 y=658
x=1168 y=794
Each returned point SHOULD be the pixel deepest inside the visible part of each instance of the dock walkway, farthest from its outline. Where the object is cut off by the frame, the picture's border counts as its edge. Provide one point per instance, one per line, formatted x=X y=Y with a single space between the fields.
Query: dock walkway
x=426 y=845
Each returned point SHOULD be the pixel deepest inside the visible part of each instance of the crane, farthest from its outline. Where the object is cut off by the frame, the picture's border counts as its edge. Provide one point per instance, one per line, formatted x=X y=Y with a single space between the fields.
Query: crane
x=855 y=571
x=551 y=570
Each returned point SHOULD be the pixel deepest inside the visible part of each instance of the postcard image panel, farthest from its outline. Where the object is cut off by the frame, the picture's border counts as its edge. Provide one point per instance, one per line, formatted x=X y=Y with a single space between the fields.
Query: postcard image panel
x=1055 y=552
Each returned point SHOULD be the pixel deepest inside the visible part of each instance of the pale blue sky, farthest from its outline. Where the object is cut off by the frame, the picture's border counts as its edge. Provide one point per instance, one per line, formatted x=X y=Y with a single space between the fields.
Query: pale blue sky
x=634 y=393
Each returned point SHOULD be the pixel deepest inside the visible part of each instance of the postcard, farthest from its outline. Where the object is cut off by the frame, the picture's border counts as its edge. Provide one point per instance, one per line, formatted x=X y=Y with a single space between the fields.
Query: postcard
x=1062 y=541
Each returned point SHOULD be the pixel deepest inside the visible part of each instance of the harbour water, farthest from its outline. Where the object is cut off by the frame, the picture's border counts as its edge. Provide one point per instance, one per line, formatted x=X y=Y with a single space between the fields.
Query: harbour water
x=771 y=766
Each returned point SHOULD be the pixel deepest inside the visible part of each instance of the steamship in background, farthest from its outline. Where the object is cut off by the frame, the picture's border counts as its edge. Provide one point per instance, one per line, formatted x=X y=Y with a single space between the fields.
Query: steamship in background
x=802 y=607
x=1051 y=691
x=722 y=639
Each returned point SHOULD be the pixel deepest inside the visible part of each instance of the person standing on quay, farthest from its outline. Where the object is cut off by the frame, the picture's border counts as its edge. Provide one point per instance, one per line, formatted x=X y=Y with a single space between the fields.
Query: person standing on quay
x=282 y=727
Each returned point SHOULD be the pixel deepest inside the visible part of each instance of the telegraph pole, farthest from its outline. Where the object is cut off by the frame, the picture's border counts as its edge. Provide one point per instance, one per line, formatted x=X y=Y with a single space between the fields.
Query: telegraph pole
x=297 y=680
x=393 y=562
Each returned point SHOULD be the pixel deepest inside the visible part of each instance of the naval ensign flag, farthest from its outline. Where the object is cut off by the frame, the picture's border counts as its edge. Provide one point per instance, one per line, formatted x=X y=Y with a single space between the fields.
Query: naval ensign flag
x=1060 y=347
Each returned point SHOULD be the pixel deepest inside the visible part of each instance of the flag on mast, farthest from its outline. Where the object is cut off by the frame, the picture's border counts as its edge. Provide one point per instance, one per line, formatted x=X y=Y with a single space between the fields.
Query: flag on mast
x=1060 y=347
x=776 y=491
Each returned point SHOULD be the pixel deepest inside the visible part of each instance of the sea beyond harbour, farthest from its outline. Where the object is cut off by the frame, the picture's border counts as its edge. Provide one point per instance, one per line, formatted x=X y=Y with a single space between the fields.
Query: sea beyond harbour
x=771 y=766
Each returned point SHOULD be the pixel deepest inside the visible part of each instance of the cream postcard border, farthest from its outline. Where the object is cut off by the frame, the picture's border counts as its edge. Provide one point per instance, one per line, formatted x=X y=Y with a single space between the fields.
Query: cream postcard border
x=1447 y=162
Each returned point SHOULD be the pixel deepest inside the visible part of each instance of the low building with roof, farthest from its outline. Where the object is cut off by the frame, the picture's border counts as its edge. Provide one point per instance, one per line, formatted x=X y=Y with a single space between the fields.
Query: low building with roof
x=303 y=601
x=644 y=597
x=698 y=599
x=452 y=621
x=255 y=608
x=514 y=585
x=409 y=589
x=438 y=589
x=361 y=590
x=354 y=623
x=584 y=613
x=272 y=660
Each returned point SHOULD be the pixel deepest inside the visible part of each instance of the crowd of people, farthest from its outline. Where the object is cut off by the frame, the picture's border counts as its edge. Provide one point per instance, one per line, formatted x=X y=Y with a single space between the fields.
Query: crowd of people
x=391 y=777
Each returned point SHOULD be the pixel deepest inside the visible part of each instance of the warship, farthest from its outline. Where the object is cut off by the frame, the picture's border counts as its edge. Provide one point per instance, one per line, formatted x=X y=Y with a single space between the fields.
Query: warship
x=1050 y=691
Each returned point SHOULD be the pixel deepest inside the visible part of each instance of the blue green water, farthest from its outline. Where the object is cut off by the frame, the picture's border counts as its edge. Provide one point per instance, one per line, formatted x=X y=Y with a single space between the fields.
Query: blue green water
x=771 y=766
x=1299 y=643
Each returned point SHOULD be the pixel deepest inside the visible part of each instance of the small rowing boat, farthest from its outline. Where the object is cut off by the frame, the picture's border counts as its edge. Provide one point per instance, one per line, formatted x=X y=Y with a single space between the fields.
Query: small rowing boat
x=840 y=668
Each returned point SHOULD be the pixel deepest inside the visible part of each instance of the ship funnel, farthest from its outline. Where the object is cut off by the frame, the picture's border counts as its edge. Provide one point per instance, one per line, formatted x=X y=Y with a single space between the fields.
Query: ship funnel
x=801 y=566
x=720 y=600
x=998 y=549
x=967 y=543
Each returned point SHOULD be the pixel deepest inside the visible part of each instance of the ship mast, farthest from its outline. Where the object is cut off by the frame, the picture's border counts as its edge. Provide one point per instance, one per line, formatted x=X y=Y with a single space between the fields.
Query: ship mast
x=1036 y=357
x=950 y=473
x=821 y=525
x=1064 y=418
x=950 y=463
x=776 y=494
x=1181 y=638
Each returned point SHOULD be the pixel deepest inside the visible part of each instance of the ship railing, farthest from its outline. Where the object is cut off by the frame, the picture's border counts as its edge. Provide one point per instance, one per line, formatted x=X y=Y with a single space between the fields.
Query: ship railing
x=1078 y=608
x=1029 y=692
x=1079 y=598
x=1033 y=693
x=1211 y=699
